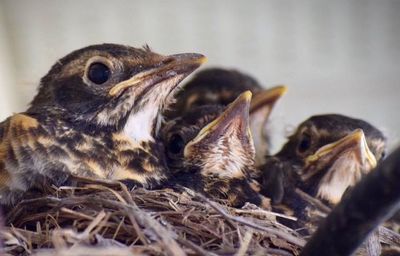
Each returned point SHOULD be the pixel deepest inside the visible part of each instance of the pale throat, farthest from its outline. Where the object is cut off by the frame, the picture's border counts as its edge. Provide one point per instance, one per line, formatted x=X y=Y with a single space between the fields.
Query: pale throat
x=226 y=154
x=140 y=125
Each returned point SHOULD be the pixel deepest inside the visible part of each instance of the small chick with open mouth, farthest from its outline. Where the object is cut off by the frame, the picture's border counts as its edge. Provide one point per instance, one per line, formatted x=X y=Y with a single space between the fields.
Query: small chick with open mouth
x=210 y=149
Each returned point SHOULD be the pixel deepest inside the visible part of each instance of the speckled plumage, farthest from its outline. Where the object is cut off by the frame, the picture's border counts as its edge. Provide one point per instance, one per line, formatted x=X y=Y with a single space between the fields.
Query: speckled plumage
x=218 y=86
x=216 y=153
x=323 y=154
x=76 y=126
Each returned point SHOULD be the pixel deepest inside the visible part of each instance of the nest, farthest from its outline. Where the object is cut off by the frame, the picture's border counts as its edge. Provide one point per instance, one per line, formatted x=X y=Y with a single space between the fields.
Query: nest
x=105 y=218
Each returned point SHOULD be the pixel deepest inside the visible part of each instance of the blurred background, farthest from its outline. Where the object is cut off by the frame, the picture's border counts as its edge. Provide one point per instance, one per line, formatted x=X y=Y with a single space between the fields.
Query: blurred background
x=335 y=56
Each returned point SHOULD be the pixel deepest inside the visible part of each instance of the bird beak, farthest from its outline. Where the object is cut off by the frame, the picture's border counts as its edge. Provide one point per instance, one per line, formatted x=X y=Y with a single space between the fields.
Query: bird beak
x=354 y=142
x=170 y=67
x=345 y=160
x=267 y=97
x=235 y=116
x=226 y=140
x=260 y=110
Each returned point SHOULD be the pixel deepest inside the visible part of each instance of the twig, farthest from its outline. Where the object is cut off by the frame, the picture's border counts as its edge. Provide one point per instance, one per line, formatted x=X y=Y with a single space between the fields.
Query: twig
x=245 y=244
x=373 y=245
x=139 y=232
x=118 y=228
x=76 y=214
x=278 y=252
x=288 y=237
x=263 y=212
x=313 y=201
x=197 y=249
x=147 y=221
x=389 y=237
x=83 y=251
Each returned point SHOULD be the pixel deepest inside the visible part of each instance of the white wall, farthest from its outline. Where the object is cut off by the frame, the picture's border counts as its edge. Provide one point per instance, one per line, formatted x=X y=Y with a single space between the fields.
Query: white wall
x=8 y=100
x=335 y=56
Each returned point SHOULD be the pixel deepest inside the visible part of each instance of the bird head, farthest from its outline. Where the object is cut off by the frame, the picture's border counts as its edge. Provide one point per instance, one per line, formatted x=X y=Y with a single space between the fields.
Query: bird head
x=210 y=149
x=332 y=152
x=110 y=87
x=217 y=86
x=213 y=141
x=176 y=133
x=224 y=147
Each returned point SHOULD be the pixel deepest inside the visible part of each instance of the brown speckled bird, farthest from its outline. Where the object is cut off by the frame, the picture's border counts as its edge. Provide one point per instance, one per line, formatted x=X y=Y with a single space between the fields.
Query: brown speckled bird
x=210 y=150
x=217 y=86
x=325 y=156
x=96 y=114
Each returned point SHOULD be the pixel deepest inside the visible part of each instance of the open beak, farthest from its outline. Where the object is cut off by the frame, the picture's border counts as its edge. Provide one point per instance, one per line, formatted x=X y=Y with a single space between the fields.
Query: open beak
x=345 y=162
x=267 y=97
x=173 y=66
x=235 y=116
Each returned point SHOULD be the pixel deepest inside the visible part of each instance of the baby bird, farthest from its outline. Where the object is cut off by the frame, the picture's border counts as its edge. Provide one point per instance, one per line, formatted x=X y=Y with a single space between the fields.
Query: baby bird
x=96 y=114
x=210 y=150
x=326 y=155
x=217 y=86
x=371 y=202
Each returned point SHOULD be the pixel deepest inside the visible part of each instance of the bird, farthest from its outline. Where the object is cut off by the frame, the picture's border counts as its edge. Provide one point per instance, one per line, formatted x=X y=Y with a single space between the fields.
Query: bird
x=372 y=201
x=324 y=157
x=220 y=86
x=210 y=150
x=97 y=113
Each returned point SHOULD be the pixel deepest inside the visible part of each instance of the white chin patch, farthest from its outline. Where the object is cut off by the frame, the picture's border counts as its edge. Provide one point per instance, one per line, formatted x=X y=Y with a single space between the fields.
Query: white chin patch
x=140 y=124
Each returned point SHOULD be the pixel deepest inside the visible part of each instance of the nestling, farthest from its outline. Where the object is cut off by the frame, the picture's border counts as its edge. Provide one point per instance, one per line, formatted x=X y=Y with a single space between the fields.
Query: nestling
x=218 y=86
x=326 y=155
x=210 y=150
x=96 y=114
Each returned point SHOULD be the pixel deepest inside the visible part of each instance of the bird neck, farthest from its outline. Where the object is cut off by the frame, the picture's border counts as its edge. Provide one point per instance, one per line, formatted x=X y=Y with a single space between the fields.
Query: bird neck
x=143 y=126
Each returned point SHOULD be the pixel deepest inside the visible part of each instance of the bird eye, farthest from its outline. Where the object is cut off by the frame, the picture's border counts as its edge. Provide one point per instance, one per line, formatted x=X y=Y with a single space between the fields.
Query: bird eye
x=305 y=143
x=200 y=102
x=98 y=73
x=176 y=144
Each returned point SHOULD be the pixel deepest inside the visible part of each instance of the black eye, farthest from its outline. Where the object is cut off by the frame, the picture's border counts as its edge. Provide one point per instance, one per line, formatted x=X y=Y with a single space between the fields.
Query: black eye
x=200 y=102
x=305 y=143
x=98 y=73
x=176 y=144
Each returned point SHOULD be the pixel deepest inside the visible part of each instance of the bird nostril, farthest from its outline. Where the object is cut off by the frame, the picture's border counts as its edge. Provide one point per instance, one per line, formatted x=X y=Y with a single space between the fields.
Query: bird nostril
x=167 y=60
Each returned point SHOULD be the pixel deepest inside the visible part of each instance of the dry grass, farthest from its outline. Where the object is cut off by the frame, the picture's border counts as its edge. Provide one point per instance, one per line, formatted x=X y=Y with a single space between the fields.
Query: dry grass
x=104 y=218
